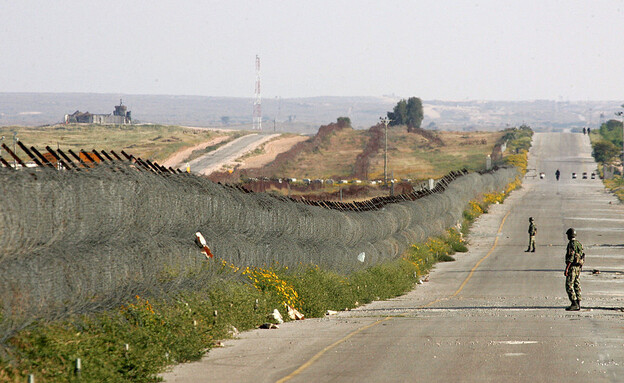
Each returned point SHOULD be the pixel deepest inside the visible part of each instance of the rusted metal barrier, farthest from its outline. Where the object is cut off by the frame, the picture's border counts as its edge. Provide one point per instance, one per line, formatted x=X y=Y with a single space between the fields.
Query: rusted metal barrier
x=83 y=160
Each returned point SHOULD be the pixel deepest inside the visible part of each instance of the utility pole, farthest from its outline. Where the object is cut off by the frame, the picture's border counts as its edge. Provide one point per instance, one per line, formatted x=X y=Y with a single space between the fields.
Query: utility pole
x=621 y=114
x=279 y=109
x=622 y=136
x=385 y=121
x=257 y=109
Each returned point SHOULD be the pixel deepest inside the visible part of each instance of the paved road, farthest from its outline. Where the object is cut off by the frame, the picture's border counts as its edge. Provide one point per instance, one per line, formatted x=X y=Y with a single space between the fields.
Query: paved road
x=229 y=152
x=494 y=315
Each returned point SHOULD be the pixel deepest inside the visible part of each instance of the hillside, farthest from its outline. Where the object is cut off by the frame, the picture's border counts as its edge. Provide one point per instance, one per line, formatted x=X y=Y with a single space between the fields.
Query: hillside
x=332 y=156
x=340 y=152
x=414 y=156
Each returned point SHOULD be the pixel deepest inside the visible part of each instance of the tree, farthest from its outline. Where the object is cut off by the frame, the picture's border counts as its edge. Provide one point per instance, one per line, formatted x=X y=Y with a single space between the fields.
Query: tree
x=407 y=112
x=415 y=113
x=604 y=151
x=612 y=131
x=399 y=114
x=344 y=120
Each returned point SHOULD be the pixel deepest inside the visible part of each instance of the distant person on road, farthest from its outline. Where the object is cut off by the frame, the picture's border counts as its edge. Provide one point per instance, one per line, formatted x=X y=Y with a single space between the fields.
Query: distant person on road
x=574 y=258
x=557 y=174
x=588 y=130
x=584 y=131
x=532 y=232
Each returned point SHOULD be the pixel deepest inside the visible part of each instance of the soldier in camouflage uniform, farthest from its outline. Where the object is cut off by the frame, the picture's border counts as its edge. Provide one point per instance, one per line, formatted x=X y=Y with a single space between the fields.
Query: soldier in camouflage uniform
x=574 y=259
x=532 y=232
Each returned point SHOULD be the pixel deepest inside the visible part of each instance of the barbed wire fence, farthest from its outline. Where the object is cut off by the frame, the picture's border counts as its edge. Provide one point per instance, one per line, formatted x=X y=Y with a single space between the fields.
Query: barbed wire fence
x=82 y=241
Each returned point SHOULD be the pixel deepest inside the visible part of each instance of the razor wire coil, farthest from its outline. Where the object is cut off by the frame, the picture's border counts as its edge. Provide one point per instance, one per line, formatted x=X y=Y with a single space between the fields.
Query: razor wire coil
x=86 y=240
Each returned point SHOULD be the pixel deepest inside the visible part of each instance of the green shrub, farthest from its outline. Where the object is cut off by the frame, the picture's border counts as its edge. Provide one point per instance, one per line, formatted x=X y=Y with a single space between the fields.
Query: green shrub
x=604 y=151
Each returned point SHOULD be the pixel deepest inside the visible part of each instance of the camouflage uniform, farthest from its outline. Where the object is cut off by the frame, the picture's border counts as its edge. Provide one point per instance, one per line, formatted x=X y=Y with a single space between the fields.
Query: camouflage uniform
x=573 y=286
x=532 y=232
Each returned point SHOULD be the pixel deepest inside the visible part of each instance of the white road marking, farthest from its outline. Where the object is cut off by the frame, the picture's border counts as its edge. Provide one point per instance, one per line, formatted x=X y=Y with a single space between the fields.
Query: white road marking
x=517 y=342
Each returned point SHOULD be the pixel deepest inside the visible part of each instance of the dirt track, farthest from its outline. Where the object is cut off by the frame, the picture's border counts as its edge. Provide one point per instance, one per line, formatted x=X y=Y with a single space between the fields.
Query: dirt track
x=228 y=153
x=271 y=150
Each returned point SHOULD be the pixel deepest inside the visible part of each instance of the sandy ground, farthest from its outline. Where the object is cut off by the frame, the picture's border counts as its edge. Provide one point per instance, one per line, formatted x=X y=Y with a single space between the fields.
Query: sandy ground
x=209 y=128
x=177 y=158
x=271 y=150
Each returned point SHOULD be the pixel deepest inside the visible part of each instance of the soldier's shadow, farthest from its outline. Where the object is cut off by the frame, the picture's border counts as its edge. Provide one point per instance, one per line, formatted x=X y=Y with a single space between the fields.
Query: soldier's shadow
x=494 y=308
x=609 y=245
x=509 y=270
x=586 y=270
x=516 y=308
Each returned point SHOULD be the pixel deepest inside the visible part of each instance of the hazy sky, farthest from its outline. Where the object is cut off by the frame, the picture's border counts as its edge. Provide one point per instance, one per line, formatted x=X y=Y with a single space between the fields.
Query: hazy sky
x=448 y=50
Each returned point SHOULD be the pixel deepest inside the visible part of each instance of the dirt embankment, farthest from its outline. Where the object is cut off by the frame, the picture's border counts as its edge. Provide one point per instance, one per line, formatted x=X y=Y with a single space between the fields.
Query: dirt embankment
x=272 y=168
x=429 y=135
x=375 y=143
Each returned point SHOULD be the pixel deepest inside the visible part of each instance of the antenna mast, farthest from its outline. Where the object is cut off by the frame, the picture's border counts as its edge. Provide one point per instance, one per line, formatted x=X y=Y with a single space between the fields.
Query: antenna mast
x=257 y=108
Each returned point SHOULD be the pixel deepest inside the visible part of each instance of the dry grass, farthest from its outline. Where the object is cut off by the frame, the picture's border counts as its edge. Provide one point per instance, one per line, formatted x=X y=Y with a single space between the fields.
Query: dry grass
x=334 y=158
x=616 y=186
x=412 y=156
x=155 y=142
x=409 y=155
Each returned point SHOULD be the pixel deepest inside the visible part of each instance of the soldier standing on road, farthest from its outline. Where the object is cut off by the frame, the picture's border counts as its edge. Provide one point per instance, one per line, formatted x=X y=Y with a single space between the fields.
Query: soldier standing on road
x=557 y=174
x=575 y=257
x=532 y=232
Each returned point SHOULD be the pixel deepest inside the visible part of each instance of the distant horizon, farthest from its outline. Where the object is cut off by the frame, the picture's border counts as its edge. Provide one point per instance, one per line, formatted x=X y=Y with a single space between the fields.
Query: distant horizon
x=271 y=99
x=303 y=114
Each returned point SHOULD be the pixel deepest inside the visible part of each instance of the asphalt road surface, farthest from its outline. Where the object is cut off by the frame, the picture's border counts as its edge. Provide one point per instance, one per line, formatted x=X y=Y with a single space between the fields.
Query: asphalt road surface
x=494 y=315
x=229 y=152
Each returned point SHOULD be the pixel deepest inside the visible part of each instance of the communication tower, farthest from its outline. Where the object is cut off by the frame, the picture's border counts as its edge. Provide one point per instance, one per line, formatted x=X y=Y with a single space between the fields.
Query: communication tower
x=257 y=106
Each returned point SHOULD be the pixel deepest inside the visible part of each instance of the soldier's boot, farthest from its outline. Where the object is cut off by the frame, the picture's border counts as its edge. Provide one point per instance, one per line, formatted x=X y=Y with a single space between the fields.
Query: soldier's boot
x=578 y=303
x=573 y=307
x=528 y=249
x=533 y=251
